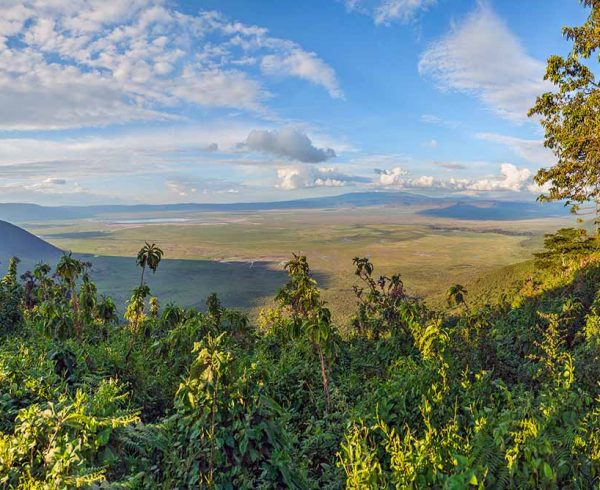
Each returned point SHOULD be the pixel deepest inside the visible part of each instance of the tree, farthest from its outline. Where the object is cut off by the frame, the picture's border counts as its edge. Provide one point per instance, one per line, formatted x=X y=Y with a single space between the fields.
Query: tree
x=309 y=315
x=40 y=273
x=456 y=295
x=564 y=246
x=135 y=307
x=214 y=309
x=29 y=286
x=571 y=121
x=382 y=303
x=149 y=255
x=11 y=276
x=69 y=269
x=319 y=330
x=106 y=310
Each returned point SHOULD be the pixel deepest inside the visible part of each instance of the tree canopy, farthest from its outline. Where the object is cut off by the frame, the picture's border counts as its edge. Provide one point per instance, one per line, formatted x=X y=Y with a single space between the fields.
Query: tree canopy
x=570 y=116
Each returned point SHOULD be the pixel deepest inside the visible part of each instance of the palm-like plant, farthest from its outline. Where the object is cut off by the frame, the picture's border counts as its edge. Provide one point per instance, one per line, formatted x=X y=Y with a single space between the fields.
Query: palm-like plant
x=148 y=256
x=456 y=295
x=69 y=269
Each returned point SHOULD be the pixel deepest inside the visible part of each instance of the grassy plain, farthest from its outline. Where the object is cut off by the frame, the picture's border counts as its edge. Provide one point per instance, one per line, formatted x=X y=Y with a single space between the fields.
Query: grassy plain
x=246 y=249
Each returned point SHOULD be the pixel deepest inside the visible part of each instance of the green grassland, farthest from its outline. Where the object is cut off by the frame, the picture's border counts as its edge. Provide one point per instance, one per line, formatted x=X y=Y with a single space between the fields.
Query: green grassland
x=429 y=253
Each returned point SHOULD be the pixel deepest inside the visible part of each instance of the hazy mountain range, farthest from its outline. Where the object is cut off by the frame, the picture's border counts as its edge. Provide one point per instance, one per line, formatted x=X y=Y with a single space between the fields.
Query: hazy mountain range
x=463 y=208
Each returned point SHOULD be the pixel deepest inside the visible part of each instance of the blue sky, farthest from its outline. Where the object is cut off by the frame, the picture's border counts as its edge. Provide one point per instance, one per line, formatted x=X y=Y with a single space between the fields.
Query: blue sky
x=223 y=100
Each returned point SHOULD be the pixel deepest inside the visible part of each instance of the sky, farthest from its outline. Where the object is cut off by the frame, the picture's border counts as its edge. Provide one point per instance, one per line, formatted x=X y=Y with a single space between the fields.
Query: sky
x=156 y=101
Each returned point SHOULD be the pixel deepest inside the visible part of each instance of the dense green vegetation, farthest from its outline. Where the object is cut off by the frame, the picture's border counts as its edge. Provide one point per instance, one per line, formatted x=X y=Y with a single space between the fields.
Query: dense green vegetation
x=503 y=393
x=488 y=396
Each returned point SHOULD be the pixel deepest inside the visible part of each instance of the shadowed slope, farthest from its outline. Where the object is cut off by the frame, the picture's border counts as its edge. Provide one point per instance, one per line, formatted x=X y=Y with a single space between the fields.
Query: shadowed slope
x=15 y=241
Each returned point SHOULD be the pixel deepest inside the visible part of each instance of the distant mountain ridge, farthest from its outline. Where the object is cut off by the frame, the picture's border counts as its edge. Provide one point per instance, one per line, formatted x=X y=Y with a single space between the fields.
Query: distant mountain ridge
x=455 y=208
x=496 y=211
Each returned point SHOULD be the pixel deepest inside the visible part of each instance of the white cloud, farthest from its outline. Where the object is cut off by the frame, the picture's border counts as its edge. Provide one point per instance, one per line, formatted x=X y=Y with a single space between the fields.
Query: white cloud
x=481 y=56
x=511 y=178
x=191 y=187
x=392 y=176
x=303 y=176
x=304 y=65
x=531 y=150
x=32 y=160
x=438 y=121
x=93 y=63
x=387 y=11
x=289 y=143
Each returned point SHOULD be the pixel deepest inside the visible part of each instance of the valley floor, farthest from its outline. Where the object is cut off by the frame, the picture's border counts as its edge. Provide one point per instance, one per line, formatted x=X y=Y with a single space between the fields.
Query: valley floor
x=430 y=253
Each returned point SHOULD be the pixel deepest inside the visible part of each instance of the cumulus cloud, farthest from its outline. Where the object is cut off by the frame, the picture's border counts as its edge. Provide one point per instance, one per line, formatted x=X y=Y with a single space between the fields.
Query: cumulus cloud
x=288 y=143
x=481 y=56
x=510 y=178
x=303 y=176
x=387 y=11
x=392 y=176
x=93 y=63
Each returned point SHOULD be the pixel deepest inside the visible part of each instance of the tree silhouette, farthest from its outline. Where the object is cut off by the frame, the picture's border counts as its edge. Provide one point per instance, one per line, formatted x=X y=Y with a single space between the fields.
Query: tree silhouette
x=148 y=256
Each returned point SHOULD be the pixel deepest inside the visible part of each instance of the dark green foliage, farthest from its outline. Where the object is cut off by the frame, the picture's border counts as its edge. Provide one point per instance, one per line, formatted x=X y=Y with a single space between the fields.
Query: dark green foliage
x=11 y=315
x=564 y=247
x=500 y=396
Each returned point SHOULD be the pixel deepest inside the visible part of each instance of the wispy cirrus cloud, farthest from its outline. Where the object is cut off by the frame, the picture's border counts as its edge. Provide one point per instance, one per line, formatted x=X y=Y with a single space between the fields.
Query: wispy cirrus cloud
x=482 y=57
x=450 y=165
x=303 y=64
x=530 y=150
x=195 y=187
x=387 y=11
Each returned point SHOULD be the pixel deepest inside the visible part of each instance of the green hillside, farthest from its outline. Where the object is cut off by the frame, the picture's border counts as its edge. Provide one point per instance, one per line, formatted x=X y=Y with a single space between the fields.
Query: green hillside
x=492 y=288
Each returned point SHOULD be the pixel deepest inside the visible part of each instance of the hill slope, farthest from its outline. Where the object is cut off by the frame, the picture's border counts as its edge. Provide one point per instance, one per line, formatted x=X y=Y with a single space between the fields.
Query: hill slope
x=496 y=211
x=15 y=241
